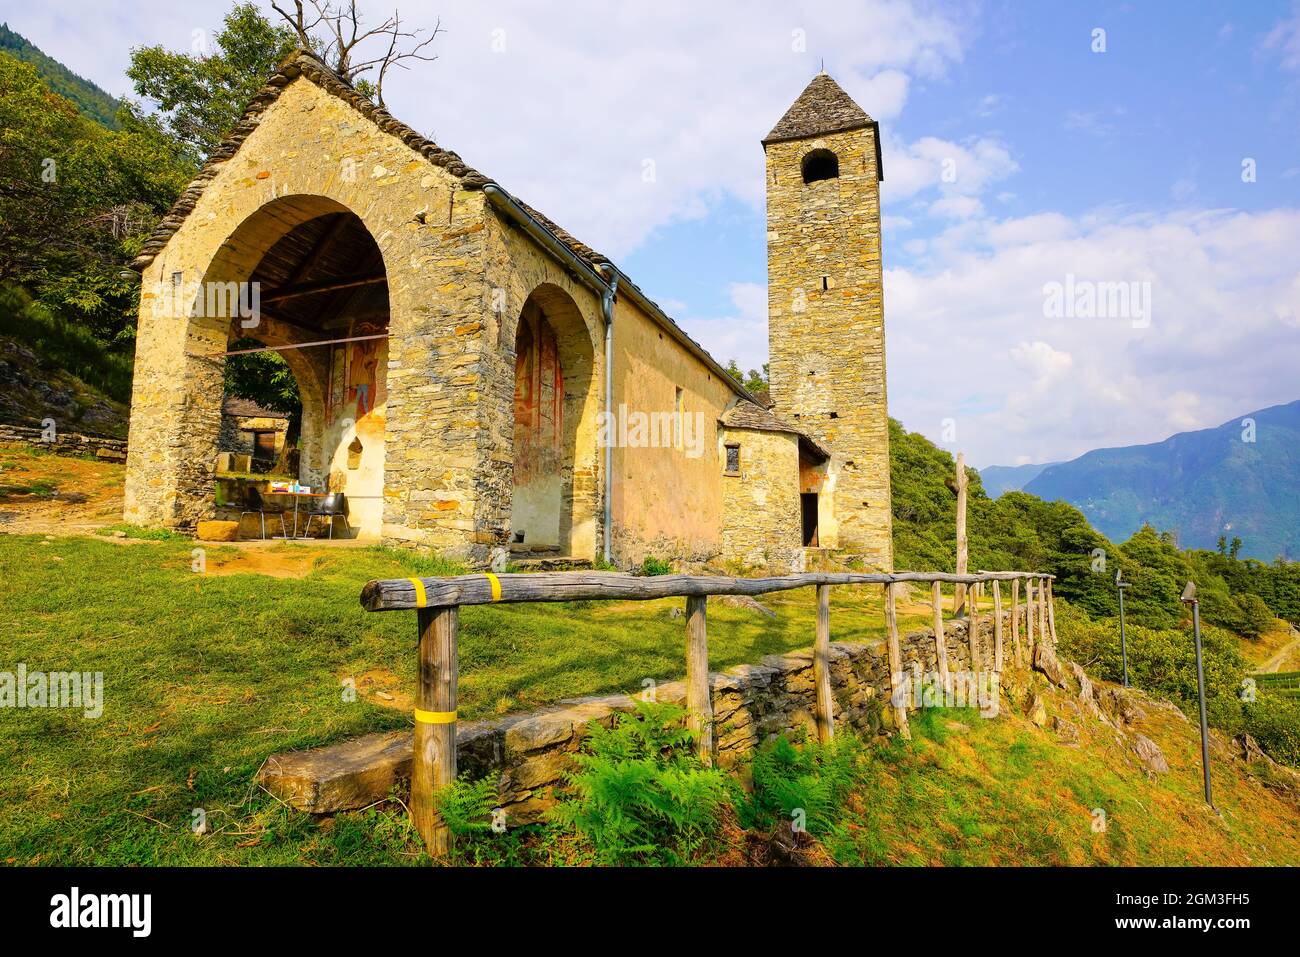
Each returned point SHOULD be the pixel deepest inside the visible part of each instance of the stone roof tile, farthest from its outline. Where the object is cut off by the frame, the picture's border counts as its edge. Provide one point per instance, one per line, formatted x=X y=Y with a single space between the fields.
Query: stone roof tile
x=823 y=107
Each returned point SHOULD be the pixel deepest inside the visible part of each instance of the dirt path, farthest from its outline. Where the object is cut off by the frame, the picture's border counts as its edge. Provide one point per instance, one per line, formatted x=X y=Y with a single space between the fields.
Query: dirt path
x=1284 y=654
x=46 y=494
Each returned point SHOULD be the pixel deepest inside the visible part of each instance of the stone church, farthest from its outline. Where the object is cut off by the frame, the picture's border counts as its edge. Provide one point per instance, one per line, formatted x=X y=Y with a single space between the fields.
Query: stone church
x=479 y=382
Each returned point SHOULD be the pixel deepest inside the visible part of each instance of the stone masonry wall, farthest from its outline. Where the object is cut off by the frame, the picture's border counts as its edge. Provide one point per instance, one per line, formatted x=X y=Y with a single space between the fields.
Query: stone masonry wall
x=65 y=443
x=826 y=328
x=530 y=753
x=761 y=521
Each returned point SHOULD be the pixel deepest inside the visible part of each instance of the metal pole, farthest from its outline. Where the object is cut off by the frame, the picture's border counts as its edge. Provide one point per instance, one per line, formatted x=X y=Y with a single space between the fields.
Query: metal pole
x=1200 y=687
x=1123 y=645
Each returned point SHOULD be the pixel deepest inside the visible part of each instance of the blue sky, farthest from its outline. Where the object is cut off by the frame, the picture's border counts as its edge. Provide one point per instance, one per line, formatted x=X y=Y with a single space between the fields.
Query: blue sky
x=1123 y=166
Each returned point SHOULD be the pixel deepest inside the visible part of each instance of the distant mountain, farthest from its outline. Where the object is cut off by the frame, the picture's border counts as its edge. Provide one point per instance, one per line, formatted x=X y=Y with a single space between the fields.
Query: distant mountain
x=1221 y=481
x=1010 y=478
x=90 y=99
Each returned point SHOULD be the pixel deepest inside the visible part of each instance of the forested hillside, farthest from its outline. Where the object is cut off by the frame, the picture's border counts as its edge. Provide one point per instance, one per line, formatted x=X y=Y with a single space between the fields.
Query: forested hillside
x=93 y=102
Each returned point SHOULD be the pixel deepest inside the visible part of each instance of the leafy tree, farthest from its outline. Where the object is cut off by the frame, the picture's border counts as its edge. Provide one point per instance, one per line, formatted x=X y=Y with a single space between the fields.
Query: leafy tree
x=200 y=96
x=77 y=200
x=265 y=378
x=751 y=381
x=1235 y=548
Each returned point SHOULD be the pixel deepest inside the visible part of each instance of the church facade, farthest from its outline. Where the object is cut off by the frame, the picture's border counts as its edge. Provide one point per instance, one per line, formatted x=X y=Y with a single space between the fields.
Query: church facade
x=480 y=383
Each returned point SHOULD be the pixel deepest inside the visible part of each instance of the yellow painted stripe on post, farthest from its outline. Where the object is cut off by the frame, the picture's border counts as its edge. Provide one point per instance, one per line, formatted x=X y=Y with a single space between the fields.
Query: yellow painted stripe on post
x=496 y=586
x=435 y=717
x=421 y=599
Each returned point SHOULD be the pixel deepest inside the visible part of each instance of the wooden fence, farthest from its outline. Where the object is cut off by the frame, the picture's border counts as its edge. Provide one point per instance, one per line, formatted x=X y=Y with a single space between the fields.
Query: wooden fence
x=437 y=602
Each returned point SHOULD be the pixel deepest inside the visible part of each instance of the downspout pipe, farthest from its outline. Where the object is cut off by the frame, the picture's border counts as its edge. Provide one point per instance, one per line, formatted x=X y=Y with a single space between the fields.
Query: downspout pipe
x=525 y=221
x=607 y=306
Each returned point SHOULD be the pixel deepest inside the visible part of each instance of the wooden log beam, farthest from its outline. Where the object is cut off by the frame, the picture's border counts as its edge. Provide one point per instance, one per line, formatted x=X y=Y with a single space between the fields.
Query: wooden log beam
x=940 y=645
x=434 y=764
x=699 y=703
x=822 y=666
x=895 y=665
x=323 y=286
x=397 y=594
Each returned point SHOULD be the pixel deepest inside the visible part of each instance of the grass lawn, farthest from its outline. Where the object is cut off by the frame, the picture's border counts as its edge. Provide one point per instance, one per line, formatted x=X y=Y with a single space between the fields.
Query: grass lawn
x=207 y=674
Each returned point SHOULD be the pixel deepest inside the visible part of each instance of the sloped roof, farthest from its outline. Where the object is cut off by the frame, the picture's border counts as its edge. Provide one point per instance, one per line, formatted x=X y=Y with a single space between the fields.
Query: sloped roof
x=247 y=408
x=302 y=63
x=823 y=107
x=747 y=415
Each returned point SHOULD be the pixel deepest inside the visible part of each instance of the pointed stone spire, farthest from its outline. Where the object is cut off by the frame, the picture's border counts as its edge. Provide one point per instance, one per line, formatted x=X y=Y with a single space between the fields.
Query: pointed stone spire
x=823 y=107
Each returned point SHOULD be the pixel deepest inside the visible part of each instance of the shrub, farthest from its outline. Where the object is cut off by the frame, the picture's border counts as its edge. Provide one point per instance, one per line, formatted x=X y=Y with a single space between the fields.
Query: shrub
x=655 y=566
x=640 y=795
x=1274 y=721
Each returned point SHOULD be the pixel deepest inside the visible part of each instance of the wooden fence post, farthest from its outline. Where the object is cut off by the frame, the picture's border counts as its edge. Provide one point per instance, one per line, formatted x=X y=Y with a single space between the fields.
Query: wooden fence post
x=940 y=645
x=1029 y=618
x=959 y=590
x=1015 y=620
x=1042 y=611
x=1051 y=612
x=895 y=665
x=699 y=704
x=434 y=764
x=822 y=666
x=997 y=626
x=973 y=625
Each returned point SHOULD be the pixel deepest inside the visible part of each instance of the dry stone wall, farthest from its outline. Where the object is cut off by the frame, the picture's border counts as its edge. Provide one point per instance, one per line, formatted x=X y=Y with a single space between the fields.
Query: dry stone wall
x=65 y=443
x=531 y=753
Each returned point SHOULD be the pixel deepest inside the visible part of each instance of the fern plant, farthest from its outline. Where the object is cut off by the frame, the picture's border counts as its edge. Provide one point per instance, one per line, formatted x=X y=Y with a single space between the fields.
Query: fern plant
x=807 y=777
x=640 y=795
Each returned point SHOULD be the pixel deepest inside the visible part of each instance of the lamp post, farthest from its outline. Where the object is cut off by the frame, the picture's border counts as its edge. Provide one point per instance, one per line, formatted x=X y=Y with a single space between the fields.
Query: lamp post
x=1120 y=585
x=1189 y=598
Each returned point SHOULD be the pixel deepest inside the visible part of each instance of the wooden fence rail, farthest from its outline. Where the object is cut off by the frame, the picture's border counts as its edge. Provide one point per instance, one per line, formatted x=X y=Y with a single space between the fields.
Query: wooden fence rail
x=437 y=601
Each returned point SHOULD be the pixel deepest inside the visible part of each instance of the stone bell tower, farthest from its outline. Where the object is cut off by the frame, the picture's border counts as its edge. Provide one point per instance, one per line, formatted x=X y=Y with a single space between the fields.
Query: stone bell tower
x=826 y=333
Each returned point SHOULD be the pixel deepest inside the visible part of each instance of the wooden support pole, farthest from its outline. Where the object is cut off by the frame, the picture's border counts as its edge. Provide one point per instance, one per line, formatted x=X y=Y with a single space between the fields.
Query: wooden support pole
x=1051 y=613
x=699 y=704
x=973 y=626
x=822 y=666
x=1015 y=621
x=1029 y=617
x=959 y=593
x=940 y=644
x=895 y=665
x=434 y=765
x=1042 y=611
x=997 y=627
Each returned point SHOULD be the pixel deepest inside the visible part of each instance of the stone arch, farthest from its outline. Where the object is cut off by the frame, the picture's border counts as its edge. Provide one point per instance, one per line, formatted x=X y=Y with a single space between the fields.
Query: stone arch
x=819 y=164
x=554 y=493
x=325 y=434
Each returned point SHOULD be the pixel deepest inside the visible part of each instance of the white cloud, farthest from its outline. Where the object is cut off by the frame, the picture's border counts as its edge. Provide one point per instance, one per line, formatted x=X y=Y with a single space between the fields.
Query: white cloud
x=579 y=98
x=1284 y=41
x=741 y=334
x=968 y=338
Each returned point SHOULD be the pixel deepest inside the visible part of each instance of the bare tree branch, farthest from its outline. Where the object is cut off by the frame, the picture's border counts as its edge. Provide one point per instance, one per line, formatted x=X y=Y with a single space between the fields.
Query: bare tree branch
x=344 y=32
